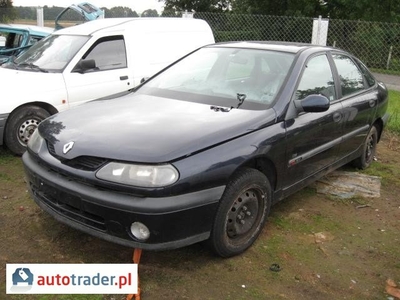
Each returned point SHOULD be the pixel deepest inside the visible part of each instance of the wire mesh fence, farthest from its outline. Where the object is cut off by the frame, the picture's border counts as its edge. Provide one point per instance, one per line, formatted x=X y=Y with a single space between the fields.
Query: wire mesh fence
x=375 y=43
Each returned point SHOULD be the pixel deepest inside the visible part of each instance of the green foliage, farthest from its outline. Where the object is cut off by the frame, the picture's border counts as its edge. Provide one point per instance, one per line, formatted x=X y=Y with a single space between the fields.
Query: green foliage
x=119 y=12
x=241 y=27
x=368 y=10
x=150 y=13
x=394 y=110
x=196 y=5
x=7 y=12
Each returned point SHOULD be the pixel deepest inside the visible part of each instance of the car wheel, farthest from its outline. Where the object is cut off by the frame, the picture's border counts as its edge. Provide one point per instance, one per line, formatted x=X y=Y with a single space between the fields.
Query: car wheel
x=241 y=214
x=20 y=126
x=369 y=150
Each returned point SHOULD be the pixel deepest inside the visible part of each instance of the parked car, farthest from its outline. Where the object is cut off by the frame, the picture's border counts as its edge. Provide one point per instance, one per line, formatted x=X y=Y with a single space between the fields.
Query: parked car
x=17 y=38
x=82 y=12
x=203 y=149
x=88 y=61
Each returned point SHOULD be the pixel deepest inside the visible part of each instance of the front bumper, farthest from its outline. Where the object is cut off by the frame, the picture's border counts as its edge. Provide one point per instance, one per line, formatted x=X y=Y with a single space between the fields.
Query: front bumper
x=3 y=120
x=174 y=222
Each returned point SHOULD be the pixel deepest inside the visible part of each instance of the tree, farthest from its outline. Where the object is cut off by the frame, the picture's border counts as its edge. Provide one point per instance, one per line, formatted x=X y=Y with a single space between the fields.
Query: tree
x=196 y=5
x=150 y=13
x=7 y=12
x=367 y=10
x=170 y=12
x=119 y=12
x=305 y=8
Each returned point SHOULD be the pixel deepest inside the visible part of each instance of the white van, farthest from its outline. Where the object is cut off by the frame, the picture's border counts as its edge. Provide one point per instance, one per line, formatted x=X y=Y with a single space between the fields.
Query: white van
x=85 y=62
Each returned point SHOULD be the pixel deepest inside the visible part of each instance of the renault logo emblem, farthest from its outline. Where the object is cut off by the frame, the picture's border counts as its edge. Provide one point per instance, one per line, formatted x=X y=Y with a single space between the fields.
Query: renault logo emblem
x=68 y=147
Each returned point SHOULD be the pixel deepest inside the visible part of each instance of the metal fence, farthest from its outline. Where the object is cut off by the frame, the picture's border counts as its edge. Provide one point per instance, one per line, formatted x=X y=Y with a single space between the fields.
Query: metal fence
x=375 y=43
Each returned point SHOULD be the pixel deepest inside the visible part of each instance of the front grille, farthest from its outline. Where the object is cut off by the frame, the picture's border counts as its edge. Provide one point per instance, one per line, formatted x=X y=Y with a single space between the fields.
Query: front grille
x=85 y=163
x=69 y=206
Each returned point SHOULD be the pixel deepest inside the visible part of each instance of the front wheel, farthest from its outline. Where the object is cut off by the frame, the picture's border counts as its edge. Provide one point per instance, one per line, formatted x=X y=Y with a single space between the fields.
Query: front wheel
x=241 y=214
x=368 y=151
x=20 y=126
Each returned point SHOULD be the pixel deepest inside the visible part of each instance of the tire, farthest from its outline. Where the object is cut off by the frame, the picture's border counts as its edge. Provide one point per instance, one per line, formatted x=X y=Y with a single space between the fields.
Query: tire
x=242 y=213
x=368 y=151
x=20 y=126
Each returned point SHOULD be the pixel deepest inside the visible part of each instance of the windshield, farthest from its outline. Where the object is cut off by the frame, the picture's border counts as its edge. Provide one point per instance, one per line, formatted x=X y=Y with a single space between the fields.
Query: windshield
x=234 y=74
x=53 y=53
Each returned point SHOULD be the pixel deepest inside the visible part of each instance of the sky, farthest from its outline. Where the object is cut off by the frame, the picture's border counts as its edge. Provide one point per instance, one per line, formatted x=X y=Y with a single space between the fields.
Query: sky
x=136 y=5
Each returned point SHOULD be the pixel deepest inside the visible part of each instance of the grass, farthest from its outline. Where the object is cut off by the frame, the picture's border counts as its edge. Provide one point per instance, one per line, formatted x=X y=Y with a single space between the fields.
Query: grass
x=394 y=110
x=385 y=71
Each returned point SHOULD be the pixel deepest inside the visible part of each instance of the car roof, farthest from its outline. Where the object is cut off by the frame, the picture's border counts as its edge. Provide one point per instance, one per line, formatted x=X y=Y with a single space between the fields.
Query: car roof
x=32 y=29
x=114 y=24
x=273 y=45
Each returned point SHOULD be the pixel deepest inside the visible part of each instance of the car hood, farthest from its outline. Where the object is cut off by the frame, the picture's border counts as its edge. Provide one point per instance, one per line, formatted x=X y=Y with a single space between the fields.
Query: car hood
x=142 y=128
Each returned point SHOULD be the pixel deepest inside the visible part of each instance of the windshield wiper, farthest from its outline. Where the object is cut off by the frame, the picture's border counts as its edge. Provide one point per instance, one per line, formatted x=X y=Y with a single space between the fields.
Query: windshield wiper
x=239 y=97
x=32 y=66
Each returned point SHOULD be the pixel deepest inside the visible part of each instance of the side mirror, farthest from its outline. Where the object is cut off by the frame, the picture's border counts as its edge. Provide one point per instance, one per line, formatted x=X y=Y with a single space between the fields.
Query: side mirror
x=85 y=65
x=312 y=103
x=144 y=79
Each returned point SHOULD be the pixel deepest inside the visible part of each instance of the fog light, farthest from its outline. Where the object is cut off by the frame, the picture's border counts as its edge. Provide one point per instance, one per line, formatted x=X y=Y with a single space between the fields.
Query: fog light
x=140 y=231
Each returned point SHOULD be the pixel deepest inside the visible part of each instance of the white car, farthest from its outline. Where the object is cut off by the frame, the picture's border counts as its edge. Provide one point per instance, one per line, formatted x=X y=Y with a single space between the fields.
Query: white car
x=86 y=62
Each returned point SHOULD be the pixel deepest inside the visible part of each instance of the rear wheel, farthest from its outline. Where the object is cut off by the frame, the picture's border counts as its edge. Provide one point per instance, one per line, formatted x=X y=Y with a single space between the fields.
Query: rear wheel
x=241 y=214
x=20 y=126
x=369 y=150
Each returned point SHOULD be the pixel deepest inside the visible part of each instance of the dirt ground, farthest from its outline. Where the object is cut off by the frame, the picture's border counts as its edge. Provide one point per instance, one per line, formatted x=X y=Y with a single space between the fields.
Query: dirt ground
x=327 y=248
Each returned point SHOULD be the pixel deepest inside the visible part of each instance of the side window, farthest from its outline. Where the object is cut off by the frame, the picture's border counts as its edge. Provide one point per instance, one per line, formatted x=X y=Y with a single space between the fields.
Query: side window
x=368 y=76
x=108 y=53
x=317 y=78
x=351 y=79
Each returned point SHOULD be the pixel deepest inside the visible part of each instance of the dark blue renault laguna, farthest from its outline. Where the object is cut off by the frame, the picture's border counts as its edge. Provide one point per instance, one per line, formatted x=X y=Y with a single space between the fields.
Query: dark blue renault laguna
x=204 y=148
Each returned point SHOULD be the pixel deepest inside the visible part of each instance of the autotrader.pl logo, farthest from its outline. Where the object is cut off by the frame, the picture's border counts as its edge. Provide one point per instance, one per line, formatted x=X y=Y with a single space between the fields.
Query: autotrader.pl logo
x=22 y=280
x=71 y=278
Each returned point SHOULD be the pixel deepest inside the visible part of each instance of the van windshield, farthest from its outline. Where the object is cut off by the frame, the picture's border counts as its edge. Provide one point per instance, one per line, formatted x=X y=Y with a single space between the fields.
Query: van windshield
x=51 y=54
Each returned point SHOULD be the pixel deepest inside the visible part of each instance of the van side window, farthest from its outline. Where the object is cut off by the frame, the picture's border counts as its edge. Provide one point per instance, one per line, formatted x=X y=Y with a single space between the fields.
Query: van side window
x=108 y=53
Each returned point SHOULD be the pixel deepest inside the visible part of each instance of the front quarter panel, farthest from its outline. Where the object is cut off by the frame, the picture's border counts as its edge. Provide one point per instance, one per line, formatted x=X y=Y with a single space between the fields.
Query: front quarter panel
x=215 y=166
x=25 y=87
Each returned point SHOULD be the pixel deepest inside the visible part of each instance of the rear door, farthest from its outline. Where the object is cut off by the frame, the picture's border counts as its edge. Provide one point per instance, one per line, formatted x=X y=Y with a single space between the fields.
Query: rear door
x=358 y=99
x=110 y=74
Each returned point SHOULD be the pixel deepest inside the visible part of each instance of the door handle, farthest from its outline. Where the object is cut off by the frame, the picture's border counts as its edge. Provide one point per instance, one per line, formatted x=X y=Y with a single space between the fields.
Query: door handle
x=337 y=117
x=123 y=77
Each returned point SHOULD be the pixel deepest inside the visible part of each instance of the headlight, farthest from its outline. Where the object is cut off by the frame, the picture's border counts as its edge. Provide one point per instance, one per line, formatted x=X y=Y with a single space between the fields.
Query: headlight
x=139 y=175
x=35 y=141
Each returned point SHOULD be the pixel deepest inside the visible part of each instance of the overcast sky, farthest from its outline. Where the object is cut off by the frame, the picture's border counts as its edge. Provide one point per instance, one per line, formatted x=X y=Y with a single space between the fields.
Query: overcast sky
x=136 y=5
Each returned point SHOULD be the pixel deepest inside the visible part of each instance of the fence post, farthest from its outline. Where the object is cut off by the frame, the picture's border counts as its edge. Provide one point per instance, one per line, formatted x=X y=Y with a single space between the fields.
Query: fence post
x=320 y=31
x=40 y=16
x=389 y=58
x=187 y=14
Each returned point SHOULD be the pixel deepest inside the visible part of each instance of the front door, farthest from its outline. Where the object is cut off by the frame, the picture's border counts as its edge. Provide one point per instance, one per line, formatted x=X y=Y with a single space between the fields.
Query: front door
x=313 y=138
x=109 y=75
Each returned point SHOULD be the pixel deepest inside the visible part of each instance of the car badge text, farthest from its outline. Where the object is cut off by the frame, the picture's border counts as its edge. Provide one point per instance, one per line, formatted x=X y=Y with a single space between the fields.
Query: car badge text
x=68 y=147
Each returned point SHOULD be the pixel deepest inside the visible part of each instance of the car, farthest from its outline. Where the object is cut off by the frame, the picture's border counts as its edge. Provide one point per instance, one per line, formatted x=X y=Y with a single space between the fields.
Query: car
x=84 y=62
x=17 y=38
x=202 y=150
x=82 y=12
